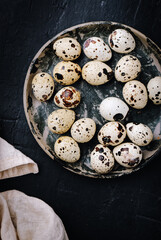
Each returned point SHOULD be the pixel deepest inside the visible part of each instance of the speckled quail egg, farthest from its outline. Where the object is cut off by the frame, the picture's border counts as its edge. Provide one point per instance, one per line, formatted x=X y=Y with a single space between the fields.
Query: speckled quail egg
x=113 y=109
x=128 y=154
x=67 y=48
x=121 y=41
x=67 y=149
x=42 y=86
x=67 y=97
x=96 y=48
x=96 y=72
x=127 y=68
x=61 y=120
x=102 y=160
x=154 y=90
x=112 y=133
x=83 y=130
x=139 y=134
x=135 y=94
x=66 y=73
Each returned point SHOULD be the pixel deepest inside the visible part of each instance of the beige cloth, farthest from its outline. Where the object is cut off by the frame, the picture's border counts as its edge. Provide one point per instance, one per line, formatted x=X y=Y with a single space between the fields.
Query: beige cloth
x=13 y=163
x=27 y=218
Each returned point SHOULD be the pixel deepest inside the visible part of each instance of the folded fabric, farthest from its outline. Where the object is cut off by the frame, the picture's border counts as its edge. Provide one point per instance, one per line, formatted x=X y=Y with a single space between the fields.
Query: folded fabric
x=14 y=163
x=28 y=218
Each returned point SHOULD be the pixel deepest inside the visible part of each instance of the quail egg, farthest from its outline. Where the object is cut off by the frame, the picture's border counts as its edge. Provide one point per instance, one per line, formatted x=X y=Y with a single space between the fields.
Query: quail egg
x=66 y=73
x=61 y=120
x=113 y=109
x=96 y=72
x=83 y=130
x=102 y=160
x=135 y=94
x=67 y=97
x=42 y=86
x=67 y=48
x=112 y=133
x=127 y=68
x=154 y=90
x=121 y=41
x=139 y=134
x=96 y=48
x=67 y=149
x=128 y=154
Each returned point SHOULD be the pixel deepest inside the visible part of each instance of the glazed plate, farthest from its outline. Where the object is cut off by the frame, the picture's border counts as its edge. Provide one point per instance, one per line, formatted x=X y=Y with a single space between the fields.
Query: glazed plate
x=37 y=112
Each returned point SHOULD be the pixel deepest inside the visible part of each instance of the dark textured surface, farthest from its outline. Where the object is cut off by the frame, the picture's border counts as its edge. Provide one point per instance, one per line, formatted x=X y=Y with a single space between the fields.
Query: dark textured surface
x=121 y=208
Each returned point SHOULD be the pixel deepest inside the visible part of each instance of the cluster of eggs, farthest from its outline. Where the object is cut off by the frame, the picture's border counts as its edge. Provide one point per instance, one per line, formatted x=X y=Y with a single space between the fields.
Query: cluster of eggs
x=112 y=109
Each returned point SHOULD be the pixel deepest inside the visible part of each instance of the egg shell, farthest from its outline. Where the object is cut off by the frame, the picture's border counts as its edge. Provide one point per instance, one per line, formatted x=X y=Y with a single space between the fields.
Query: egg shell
x=67 y=97
x=43 y=86
x=127 y=68
x=135 y=94
x=112 y=133
x=61 y=120
x=83 y=130
x=67 y=149
x=67 y=48
x=121 y=41
x=66 y=73
x=113 y=109
x=139 y=134
x=96 y=72
x=95 y=48
x=154 y=90
x=102 y=160
x=128 y=154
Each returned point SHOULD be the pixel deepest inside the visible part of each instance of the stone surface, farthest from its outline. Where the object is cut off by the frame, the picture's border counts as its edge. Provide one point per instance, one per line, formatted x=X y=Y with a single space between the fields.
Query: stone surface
x=89 y=208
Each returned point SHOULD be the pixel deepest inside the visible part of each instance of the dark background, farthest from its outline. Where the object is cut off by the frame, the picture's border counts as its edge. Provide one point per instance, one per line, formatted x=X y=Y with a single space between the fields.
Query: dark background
x=128 y=207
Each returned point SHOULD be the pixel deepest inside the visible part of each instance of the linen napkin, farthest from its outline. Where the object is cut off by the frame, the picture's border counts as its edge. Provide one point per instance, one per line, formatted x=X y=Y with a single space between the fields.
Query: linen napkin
x=14 y=163
x=28 y=218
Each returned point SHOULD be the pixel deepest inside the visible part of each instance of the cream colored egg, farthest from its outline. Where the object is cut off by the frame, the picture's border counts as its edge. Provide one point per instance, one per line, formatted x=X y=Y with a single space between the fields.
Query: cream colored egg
x=67 y=73
x=154 y=90
x=61 y=120
x=42 y=86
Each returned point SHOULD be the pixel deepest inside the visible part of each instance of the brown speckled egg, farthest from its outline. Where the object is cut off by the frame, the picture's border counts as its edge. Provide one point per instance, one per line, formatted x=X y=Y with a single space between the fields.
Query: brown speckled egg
x=127 y=68
x=128 y=154
x=42 y=86
x=67 y=73
x=67 y=149
x=67 y=48
x=96 y=72
x=102 y=160
x=67 y=97
x=61 y=120
x=135 y=94
x=154 y=90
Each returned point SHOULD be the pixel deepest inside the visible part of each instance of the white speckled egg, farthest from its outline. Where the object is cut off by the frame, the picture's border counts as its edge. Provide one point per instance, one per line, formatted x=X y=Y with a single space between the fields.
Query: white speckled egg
x=67 y=48
x=127 y=68
x=102 y=160
x=96 y=72
x=67 y=149
x=42 y=86
x=112 y=133
x=154 y=90
x=61 y=120
x=96 y=48
x=113 y=109
x=83 y=130
x=121 y=41
x=135 y=94
x=67 y=97
x=139 y=134
x=66 y=73
x=128 y=154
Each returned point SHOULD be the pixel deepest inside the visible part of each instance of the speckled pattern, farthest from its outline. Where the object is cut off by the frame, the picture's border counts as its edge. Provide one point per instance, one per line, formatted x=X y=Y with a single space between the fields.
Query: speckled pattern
x=45 y=60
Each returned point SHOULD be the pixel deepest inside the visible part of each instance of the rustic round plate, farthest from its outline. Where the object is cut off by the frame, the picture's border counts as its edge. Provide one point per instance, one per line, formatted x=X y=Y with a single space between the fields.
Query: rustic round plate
x=37 y=112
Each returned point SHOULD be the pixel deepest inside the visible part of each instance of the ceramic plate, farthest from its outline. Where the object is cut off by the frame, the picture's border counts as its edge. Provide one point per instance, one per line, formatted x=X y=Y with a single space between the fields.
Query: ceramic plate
x=37 y=112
